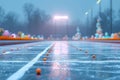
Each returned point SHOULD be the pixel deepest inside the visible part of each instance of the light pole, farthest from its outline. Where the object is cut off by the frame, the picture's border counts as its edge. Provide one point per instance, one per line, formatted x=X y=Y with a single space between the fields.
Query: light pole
x=99 y=3
x=86 y=13
x=87 y=21
x=91 y=19
x=111 y=15
x=91 y=10
x=61 y=18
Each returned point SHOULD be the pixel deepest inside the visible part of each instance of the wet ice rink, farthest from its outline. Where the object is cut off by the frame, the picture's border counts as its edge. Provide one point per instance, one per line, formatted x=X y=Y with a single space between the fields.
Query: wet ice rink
x=67 y=60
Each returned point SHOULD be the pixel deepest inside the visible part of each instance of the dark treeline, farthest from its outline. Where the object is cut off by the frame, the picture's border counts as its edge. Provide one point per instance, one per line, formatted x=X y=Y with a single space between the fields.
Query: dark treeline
x=37 y=22
x=34 y=23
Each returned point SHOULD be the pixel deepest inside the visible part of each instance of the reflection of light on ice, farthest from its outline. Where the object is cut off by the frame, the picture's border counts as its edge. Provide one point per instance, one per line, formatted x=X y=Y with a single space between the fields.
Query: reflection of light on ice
x=55 y=66
x=57 y=48
x=60 y=70
x=64 y=49
x=61 y=48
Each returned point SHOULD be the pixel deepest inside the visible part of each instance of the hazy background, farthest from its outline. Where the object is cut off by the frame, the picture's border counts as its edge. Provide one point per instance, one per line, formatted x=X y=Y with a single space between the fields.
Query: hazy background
x=15 y=18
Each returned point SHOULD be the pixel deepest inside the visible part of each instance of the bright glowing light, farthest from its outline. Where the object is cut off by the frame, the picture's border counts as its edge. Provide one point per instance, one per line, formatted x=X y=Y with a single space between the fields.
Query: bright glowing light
x=56 y=17
x=86 y=13
x=98 y=1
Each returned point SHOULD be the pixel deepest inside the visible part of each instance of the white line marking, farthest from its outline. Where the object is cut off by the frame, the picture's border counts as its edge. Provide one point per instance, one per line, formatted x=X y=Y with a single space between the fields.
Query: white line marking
x=13 y=61
x=23 y=53
x=17 y=75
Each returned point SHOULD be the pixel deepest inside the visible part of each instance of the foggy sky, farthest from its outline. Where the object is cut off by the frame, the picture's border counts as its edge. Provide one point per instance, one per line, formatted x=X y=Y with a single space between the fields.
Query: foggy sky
x=74 y=8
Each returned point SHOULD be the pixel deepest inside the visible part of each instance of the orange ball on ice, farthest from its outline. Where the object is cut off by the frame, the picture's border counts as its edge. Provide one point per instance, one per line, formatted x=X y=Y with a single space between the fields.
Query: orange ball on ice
x=38 y=71
x=44 y=59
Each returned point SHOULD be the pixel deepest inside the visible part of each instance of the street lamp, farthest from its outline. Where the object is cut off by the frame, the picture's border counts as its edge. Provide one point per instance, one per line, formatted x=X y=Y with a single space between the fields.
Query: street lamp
x=87 y=22
x=86 y=13
x=111 y=15
x=99 y=3
x=61 y=18
x=91 y=16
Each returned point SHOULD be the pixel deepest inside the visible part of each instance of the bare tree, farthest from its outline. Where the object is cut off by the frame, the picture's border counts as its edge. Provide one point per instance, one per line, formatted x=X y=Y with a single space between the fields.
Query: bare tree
x=2 y=14
x=10 y=21
x=35 y=18
x=28 y=10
